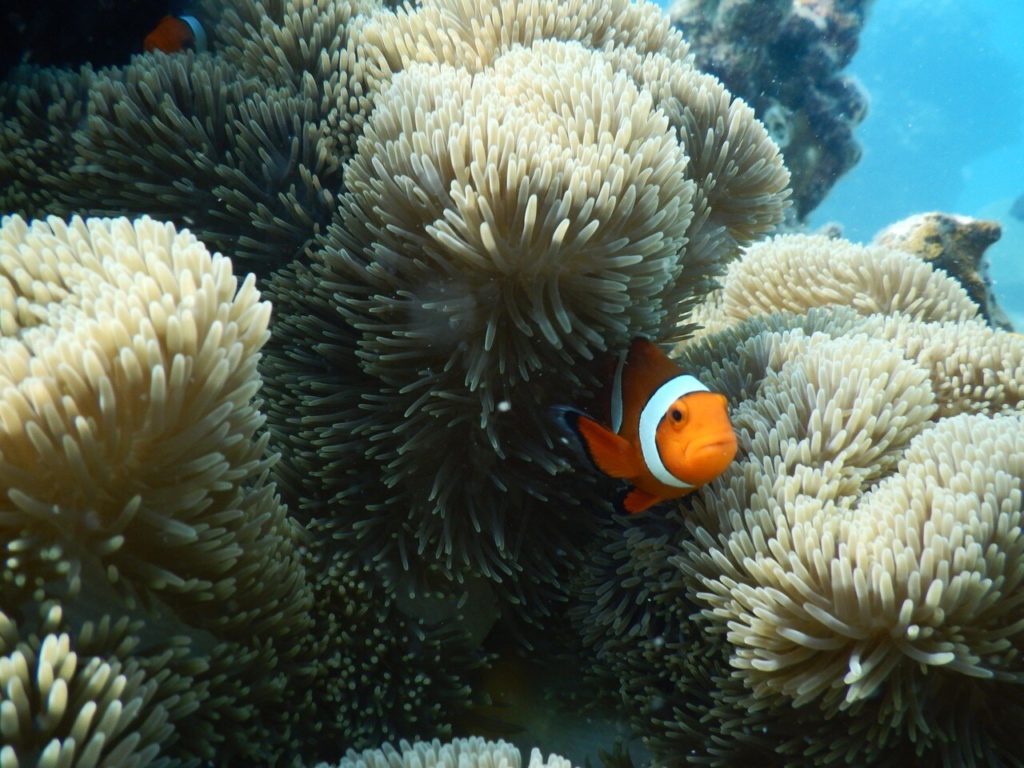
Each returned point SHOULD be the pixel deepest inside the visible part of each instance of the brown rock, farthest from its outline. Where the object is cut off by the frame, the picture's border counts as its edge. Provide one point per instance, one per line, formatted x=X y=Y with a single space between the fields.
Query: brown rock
x=955 y=244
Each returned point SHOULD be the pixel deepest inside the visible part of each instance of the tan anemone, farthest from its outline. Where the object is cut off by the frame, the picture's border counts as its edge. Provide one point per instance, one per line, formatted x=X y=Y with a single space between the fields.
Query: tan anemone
x=473 y=752
x=473 y=34
x=545 y=201
x=974 y=368
x=64 y=703
x=849 y=589
x=498 y=228
x=843 y=601
x=519 y=203
x=742 y=184
x=793 y=273
x=133 y=481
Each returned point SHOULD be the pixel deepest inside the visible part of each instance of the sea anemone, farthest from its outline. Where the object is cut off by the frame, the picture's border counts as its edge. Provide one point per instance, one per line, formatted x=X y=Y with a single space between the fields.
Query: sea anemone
x=501 y=230
x=856 y=571
x=380 y=675
x=190 y=138
x=792 y=273
x=39 y=111
x=245 y=146
x=134 y=483
x=473 y=752
x=473 y=35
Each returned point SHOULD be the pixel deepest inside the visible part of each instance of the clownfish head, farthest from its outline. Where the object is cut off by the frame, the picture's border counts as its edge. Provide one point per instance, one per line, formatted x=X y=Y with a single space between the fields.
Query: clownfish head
x=695 y=438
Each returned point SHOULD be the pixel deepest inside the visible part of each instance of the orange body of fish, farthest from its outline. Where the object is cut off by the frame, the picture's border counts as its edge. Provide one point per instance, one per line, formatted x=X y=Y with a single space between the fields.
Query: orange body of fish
x=667 y=434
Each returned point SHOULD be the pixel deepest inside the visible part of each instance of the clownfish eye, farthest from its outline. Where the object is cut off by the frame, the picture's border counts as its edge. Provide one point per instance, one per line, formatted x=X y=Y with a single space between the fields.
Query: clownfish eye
x=676 y=414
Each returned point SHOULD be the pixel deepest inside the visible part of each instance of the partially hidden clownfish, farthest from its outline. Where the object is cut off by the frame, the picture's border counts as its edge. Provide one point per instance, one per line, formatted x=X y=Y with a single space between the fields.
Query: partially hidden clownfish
x=667 y=434
x=174 y=34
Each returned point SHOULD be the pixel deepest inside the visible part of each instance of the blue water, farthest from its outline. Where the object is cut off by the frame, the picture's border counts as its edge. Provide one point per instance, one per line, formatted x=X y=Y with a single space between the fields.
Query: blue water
x=945 y=129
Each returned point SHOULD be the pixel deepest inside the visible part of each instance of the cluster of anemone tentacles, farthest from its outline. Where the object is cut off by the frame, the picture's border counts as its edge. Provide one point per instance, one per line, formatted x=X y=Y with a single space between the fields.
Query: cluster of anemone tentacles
x=151 y=583
x=444 y=256
x=536 y=184
x=158 y=606
x=457 y=208
x=850 y=589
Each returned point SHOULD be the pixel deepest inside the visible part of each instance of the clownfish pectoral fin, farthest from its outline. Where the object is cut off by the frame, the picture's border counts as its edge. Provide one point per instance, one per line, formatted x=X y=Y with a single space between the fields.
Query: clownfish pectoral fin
x=635 y=501
x=609 y=452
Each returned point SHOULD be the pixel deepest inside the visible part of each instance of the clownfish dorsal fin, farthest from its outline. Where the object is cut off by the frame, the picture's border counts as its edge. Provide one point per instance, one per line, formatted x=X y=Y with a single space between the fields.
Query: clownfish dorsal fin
x=607 y=451
x=640 y=371
x=647 y=367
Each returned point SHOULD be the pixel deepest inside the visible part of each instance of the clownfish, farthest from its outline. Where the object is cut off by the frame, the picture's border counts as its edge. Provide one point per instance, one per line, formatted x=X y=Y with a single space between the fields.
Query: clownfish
x=668 y=434
x=174 y=34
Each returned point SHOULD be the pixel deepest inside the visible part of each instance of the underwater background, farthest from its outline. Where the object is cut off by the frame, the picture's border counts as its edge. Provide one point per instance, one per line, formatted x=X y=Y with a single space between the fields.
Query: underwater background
x=945 y=129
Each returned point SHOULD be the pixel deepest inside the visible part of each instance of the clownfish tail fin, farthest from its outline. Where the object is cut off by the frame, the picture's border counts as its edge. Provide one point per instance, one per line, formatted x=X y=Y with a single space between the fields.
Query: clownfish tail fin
x=607 y=451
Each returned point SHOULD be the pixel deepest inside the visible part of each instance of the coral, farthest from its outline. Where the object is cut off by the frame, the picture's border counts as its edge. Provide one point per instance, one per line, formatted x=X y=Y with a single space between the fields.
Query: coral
x=492 y=243
x=134 y=485
x=473 y=752
x=955 y=244
x=856 y=572
x=785 y=58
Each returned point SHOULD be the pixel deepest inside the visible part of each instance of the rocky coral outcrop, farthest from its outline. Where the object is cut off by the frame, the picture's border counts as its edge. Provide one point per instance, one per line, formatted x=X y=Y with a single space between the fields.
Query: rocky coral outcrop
x=955 y=244
x=785 y=58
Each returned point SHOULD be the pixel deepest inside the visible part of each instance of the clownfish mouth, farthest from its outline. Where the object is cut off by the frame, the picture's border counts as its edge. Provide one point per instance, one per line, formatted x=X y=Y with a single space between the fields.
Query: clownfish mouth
x=707 y=461
x=717 y=447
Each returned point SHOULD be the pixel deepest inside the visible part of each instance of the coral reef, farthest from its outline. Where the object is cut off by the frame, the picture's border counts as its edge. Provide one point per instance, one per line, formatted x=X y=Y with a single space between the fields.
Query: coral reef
x=494 y=240
x=460 y=753
x=785 y=58
x=857 y=571
x=956 y=244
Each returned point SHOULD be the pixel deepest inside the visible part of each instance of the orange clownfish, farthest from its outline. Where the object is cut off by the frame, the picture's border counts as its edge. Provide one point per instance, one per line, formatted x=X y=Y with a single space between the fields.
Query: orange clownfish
x=174 y=34
x=667 y=435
